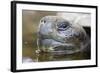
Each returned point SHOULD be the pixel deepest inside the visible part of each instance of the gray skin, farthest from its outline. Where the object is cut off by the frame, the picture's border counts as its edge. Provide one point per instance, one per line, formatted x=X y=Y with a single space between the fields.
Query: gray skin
x=57 y=35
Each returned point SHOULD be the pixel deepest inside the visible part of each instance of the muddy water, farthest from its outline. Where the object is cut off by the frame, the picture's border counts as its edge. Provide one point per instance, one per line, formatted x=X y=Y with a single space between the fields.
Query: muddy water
x=30 y=21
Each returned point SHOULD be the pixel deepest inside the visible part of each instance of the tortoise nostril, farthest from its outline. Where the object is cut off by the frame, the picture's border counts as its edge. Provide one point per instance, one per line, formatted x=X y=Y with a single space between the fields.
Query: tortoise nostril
x=43 y=21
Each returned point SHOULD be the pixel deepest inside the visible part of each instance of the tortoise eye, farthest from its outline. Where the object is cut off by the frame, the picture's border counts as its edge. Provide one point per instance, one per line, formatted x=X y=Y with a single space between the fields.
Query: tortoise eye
x=63 y=26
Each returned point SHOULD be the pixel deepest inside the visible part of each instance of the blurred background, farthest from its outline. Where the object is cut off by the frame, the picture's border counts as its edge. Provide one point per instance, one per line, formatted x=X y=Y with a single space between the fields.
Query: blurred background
x=30 y=22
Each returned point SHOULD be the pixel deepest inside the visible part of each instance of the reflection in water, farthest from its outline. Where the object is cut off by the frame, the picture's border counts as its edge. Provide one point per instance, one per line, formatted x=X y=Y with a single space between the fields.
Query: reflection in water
x=29 y=55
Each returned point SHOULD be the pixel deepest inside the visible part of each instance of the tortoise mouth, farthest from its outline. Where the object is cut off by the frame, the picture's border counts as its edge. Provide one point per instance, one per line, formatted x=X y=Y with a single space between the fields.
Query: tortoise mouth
x=62 y=49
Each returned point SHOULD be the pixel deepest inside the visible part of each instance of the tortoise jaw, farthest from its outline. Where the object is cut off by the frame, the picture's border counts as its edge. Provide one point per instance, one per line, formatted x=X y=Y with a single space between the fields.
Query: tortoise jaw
x=65 y=49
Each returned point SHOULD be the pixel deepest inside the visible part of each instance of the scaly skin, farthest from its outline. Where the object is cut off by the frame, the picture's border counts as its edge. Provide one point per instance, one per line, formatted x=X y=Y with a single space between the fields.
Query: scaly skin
x=56 y=35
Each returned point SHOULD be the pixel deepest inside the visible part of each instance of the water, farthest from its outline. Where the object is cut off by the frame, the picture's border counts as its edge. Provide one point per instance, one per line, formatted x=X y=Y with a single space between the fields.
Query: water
x=30 y=55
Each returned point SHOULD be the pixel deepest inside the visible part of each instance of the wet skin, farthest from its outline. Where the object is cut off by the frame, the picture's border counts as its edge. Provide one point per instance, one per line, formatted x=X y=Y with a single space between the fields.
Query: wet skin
x=57 y=35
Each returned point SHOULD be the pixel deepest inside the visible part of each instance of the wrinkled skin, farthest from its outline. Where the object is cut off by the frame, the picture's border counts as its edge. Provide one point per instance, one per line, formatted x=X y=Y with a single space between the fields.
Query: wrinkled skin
x=57 y=35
